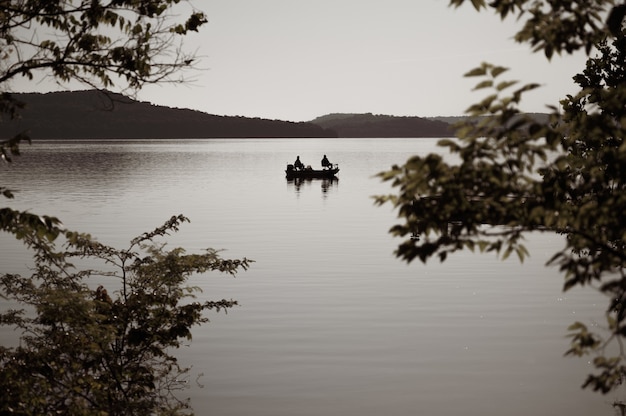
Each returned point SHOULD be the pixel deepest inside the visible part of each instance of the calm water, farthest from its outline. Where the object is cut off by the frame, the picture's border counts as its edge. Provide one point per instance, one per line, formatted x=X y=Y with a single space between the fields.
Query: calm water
x=330 y=323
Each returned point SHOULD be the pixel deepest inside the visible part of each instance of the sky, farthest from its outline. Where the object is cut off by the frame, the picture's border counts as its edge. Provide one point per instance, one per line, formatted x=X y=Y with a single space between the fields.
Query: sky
x=299 y=59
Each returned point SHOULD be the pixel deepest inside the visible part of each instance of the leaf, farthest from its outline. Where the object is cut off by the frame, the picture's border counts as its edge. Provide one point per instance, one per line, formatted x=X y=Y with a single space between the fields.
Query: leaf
x=484 y=84
x=482 y=245
x=507 y=252
x=476 y=72
x=497 y=70
x=478 y=4
x=577 y=326
x=487 y=101
x=548 y=51
x=615 y=19
x=453 y=145
x=506 y=84
x=522 y=253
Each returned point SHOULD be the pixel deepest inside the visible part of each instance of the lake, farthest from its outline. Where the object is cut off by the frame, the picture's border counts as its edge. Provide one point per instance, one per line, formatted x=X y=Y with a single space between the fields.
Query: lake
x=329 y=322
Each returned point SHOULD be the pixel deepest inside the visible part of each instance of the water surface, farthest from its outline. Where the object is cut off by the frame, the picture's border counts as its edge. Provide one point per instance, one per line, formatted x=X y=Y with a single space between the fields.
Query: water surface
x=330 y=321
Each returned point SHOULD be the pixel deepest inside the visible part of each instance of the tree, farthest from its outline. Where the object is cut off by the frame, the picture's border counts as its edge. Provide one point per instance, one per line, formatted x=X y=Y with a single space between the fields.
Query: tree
x=517 y=175
x=81 y=351
x=84 y=352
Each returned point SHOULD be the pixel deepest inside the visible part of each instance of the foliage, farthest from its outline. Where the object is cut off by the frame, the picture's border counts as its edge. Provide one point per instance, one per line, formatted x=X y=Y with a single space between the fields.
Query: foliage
x=556 y=25
x=81 y=351
x=93 y=40
x=84 y=352
x=516 y=175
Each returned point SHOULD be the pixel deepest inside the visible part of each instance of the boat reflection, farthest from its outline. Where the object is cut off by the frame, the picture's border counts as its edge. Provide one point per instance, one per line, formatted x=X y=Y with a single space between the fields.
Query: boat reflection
x=299 y=183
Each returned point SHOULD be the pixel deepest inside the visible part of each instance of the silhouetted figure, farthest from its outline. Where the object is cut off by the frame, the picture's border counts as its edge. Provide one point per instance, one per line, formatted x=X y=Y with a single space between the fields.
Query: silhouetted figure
x=298 y=163
x=326 y=163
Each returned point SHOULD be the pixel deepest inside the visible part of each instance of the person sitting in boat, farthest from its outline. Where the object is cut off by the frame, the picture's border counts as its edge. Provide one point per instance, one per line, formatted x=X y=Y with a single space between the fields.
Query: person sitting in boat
x=326 y=163
x=298 y=164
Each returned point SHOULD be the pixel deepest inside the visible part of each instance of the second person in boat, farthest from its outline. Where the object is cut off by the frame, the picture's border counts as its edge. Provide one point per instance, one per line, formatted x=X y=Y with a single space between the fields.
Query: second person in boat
x=326 y=163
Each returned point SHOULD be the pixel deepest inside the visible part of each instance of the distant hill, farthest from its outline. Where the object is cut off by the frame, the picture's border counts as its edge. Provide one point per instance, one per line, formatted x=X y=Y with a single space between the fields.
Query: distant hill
x=96 y=115
x=539 y=117
x=370 y=125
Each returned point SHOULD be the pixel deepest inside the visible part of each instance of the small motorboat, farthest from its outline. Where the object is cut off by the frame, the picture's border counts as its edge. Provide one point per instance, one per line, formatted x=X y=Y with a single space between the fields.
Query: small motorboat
x=310 y=173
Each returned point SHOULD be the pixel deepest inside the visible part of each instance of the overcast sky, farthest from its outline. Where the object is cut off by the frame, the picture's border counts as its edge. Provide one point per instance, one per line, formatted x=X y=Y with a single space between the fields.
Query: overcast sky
x=299 y=59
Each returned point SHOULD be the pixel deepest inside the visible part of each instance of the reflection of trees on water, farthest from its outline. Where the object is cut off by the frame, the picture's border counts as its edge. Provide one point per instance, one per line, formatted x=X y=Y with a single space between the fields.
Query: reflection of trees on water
x=326 y=183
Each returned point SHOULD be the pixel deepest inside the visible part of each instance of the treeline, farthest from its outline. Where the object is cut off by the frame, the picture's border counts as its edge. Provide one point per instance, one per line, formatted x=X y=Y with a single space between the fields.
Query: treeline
x=370 y=125
x=99 y=115
x=103 y=115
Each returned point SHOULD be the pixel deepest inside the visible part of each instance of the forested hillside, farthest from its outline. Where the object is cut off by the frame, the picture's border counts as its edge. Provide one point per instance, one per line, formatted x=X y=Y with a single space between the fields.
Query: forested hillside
x=370 y=125
x=96 y=115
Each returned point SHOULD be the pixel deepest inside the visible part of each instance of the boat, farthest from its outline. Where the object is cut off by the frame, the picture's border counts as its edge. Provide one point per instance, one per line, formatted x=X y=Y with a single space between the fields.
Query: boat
x=310 y=173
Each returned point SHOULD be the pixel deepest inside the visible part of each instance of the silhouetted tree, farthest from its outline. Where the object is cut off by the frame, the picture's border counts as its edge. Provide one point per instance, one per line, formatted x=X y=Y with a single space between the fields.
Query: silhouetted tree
x=518 y=175
x=85 y=352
